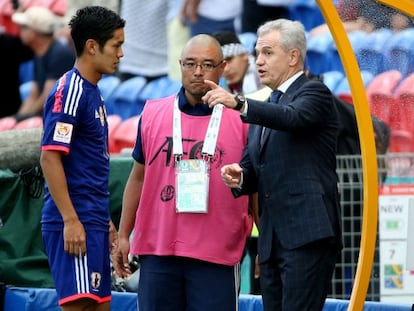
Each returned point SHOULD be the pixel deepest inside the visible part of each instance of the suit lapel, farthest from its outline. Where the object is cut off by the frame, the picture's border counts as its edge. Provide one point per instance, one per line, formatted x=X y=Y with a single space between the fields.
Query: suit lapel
x=284 y=99
x=266 y=133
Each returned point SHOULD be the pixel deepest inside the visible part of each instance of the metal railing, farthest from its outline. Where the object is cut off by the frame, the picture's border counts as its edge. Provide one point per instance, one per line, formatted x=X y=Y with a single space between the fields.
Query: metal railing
x=393 y=168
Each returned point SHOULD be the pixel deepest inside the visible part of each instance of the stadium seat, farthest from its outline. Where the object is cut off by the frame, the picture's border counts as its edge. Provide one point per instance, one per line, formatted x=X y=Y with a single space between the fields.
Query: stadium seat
x=307 y=12
x=371 y=60
x=24 y=90
x=370 y=51
x=124 y=99
x=107 y=85
x=114 y=121
x=367 y=77
x=174 y=87
x=343 y=90
x=157 y=88
x=404 y=96
x=405 y=86
x=125 y=134
x=7 y=123
x=319 y=53
x=355 y=38
x=336 y=62
x=29 y=123
x=400 y=52
x=401 y=141
x=332 y=78
x=26 y=72
x=248 y=39
x=380 y=93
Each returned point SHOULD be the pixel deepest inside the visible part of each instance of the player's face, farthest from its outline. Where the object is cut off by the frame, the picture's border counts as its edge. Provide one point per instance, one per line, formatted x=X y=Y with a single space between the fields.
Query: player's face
x=111 y=53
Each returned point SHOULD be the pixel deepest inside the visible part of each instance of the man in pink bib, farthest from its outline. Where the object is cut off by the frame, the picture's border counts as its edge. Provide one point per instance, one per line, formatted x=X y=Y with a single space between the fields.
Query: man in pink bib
x=188 y=229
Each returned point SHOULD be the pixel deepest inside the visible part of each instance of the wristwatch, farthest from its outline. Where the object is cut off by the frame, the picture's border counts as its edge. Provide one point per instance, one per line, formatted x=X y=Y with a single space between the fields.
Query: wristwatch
x=240 y=100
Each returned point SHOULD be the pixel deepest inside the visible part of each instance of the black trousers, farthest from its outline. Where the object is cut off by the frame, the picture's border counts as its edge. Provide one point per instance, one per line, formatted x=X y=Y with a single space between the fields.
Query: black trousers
x=298 y=279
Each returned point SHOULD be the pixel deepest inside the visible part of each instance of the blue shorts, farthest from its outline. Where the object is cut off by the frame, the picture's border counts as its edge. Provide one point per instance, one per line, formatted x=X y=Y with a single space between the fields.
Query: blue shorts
x=178 y=283
x=80 y=277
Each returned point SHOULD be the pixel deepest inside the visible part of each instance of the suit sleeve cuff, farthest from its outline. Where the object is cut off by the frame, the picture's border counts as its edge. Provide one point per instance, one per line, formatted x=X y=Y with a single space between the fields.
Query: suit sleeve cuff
x=243 y=111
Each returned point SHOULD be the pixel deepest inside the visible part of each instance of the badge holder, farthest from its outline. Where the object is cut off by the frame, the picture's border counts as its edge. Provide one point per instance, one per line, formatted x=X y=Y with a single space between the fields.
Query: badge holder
x=192 y=176
x=192 y=185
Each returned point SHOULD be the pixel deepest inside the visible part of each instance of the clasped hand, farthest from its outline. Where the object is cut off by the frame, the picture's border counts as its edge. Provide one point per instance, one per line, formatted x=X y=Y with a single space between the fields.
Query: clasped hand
x=231 y=175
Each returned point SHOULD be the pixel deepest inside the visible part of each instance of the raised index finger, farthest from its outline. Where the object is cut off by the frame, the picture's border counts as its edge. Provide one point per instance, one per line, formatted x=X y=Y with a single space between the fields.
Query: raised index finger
x=211 y=84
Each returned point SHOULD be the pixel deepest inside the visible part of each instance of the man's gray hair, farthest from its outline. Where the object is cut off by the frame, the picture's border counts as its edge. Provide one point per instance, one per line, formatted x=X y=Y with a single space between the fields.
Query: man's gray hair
x=292 y=34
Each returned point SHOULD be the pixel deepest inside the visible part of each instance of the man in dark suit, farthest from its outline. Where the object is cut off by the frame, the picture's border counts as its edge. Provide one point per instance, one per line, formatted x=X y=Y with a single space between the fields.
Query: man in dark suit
x=290 y=159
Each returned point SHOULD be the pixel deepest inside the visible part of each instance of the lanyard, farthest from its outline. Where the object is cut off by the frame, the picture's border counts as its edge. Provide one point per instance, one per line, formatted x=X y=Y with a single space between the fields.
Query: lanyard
x=210 y=139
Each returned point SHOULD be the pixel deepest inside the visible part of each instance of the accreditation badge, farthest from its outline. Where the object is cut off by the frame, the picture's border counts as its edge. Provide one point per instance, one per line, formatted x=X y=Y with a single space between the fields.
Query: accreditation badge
x=192 y=182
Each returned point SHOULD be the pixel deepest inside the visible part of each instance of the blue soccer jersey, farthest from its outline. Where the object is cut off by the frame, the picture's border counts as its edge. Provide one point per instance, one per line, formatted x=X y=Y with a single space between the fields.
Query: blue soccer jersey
x=75 y=124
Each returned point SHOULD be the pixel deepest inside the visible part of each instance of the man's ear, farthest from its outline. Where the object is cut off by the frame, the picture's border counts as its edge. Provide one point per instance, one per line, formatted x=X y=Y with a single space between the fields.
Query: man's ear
x=91 y=46
x=294 y=57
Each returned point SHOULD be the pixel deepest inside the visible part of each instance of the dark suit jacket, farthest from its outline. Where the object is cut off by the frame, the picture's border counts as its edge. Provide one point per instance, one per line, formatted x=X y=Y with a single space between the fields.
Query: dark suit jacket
x=294 y=171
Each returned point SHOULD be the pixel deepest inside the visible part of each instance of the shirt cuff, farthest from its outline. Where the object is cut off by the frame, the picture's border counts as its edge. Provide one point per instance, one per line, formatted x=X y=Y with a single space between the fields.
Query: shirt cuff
x=239 y=186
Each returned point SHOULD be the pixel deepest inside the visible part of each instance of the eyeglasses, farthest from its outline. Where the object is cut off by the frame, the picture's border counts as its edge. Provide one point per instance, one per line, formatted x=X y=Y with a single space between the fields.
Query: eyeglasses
x=190 y=65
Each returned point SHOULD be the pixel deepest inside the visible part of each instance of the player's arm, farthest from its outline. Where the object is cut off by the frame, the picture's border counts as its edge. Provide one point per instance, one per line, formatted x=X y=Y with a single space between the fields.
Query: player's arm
x=131 y=198
x=74 y=232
